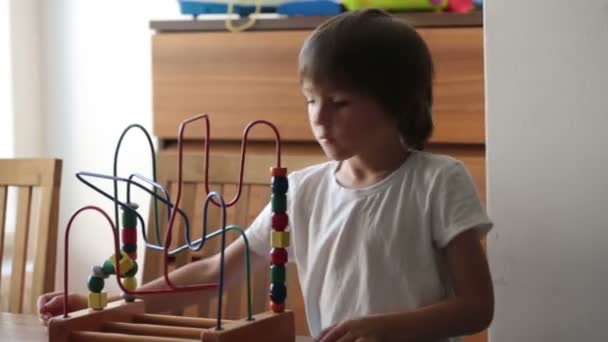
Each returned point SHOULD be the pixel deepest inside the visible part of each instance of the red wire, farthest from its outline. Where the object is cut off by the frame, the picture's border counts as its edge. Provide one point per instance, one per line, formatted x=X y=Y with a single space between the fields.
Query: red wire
x=116 y=253
x=182 y=128
x=206 y=139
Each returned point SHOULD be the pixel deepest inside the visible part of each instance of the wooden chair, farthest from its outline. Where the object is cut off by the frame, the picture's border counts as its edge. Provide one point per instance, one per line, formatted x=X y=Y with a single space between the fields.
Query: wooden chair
x=32 y=244
x=223 y=176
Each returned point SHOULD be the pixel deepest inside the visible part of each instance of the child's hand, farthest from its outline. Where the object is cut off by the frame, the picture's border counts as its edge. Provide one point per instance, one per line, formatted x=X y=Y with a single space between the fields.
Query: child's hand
x=355 y=330
x=51 y=304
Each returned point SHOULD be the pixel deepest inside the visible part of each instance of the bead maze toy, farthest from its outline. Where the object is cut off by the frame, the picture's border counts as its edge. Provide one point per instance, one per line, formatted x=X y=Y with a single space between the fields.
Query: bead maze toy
x=127 y=320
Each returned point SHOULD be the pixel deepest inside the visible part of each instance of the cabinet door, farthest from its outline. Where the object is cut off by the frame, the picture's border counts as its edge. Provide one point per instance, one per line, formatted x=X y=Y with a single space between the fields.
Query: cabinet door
x=240 y=77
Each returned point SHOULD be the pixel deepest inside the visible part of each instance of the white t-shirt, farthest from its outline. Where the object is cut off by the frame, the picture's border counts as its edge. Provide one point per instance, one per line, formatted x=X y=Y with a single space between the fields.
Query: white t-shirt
x=376 y=249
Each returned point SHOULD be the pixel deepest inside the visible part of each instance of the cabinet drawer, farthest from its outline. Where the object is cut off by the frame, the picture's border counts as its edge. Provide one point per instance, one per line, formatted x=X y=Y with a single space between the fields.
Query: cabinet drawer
x=239 y=77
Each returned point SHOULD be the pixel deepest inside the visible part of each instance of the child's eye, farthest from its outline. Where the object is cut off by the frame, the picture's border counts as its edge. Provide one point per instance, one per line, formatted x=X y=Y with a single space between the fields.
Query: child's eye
x=310 y=101
x=339 y=103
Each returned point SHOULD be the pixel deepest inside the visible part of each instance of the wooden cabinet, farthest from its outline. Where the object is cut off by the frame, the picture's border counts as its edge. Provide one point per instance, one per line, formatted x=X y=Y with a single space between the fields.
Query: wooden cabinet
x=240 y=77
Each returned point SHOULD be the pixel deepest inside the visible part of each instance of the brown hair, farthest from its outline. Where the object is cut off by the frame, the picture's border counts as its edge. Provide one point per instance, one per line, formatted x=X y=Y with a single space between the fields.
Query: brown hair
x=381 y=56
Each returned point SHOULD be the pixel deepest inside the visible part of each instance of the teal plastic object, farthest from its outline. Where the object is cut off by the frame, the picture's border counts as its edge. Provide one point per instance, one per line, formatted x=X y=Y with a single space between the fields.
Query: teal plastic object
x=309 y=7
x=397 y=5
x=198 y=7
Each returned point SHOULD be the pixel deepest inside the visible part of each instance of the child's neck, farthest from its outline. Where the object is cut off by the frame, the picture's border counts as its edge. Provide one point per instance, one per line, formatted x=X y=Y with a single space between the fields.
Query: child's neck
x=363 y=171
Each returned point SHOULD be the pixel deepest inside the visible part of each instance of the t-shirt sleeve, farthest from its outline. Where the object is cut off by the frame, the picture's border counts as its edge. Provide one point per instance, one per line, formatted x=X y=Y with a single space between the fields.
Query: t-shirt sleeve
x=456 y=206
x=258 y=233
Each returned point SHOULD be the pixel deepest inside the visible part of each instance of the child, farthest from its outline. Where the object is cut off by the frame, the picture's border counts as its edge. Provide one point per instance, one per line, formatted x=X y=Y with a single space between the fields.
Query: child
x=385 y=237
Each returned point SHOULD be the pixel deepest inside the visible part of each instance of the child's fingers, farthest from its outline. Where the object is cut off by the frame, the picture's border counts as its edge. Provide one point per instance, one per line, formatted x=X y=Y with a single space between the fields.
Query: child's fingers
x=44 y=318
x=324 y=333
x=43 y=300
x=54 y=306
x=43 y=313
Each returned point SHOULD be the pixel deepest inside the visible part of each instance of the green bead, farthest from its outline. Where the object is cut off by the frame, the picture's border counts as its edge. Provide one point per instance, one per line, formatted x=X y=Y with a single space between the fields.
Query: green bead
x=278 y=203
x=129 y=218
x=132 y=272
x=95 y=284
x=277 y=274
x=108 y=267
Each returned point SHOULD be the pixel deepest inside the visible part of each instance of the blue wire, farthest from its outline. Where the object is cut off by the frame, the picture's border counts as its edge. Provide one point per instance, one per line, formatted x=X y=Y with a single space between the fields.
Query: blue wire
x=115 y=173
x=117 y=202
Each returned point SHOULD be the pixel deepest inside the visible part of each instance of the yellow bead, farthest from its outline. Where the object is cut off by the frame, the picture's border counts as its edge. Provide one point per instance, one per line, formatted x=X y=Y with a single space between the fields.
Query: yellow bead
x=130 y=283
x=126 y=264
x=279 y=239
x=98 y=301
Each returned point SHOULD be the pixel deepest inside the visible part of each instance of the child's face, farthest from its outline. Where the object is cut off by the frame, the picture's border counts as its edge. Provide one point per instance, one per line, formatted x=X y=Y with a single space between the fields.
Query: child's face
x=347 y=124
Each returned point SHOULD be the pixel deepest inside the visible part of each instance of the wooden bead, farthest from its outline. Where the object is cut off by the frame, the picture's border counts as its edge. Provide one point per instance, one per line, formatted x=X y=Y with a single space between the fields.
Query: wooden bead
x=129 y=248
x=278 y=203
x=278 y=171
x=278 y=256
x=128 y=298
x=279 y=185
x=129 y=236
x=278 y=292
x=277 y=307
x=129 y=216
x=125 y=263
x=279 y=239
x=98 y=301
x=130 y=283
x=279 y=221
x=95 y=284
x=133 y=271
x=277 y=274
x=98 y=272
x=108 y=267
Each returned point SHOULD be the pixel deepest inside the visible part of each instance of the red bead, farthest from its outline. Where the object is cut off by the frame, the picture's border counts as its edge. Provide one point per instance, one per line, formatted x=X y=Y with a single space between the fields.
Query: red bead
x=277 y=307
x=279 y=221
x=133 y=255
x=278 y=171
x=129 y=236
x=278 y=256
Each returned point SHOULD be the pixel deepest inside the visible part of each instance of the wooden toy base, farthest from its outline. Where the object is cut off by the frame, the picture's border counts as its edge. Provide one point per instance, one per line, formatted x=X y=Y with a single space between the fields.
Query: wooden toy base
x=128 y=322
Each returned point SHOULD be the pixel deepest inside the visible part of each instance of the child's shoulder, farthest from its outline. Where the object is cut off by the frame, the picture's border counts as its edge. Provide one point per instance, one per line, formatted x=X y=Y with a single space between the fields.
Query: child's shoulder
x=433 y=166
x=433 y=161
x=314 y=173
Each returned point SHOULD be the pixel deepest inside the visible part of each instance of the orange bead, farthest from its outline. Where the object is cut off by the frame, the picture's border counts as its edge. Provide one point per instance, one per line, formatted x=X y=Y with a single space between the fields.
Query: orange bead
x=277 y=307
x=278 y=171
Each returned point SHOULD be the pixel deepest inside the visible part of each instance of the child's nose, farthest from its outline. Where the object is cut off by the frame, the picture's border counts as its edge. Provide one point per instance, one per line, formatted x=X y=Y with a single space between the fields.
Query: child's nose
x=323 y=114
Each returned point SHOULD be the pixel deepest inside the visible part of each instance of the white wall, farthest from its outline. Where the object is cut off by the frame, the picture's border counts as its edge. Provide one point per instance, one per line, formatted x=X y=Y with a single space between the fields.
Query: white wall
x=96 y=76
x=6 y=102
x=25 y=49
x=547 y=117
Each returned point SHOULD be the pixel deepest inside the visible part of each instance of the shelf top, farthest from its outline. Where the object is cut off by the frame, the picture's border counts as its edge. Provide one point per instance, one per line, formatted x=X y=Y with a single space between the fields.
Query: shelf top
x=416 y=19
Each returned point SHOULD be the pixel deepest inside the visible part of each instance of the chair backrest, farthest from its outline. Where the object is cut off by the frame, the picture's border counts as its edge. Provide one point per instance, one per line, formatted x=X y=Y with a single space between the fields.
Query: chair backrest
x=223 y=178
x=31 y=245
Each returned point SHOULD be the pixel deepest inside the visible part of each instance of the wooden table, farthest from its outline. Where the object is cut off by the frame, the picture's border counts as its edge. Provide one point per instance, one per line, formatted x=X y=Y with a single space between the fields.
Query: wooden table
x=28 y=328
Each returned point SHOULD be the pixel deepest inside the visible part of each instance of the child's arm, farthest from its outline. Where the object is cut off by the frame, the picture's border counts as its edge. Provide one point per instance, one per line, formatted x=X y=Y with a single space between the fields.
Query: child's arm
x=468 y=311
x=202 y=271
